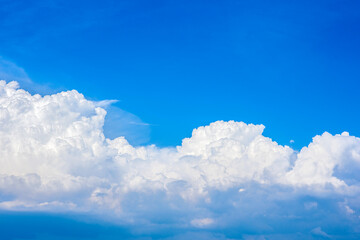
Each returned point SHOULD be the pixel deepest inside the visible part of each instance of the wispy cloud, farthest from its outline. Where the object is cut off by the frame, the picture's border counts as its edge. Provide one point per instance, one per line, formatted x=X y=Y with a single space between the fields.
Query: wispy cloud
x=9 y=71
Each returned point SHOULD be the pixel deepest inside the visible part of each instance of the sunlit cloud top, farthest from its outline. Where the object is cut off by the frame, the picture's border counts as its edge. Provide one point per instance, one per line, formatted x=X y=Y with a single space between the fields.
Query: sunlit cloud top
x=55 y=158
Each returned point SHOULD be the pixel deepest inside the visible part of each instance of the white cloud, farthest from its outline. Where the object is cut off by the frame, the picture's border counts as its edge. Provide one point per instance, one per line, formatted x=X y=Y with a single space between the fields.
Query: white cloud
x=54 y=156
x=328 y=160
x=202 y=222
x=318 y=232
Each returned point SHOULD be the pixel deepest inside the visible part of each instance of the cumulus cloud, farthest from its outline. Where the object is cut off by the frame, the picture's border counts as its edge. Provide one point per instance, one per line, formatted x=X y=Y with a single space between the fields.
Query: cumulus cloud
x=54 y=156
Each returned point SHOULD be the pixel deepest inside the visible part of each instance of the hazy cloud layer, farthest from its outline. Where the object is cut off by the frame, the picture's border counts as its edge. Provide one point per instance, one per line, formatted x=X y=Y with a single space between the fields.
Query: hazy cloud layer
x=227 y=175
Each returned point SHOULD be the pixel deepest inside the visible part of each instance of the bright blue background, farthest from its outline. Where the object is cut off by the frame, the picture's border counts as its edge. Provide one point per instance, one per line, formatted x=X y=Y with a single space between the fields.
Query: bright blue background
x=293 y=66
x=290 y=65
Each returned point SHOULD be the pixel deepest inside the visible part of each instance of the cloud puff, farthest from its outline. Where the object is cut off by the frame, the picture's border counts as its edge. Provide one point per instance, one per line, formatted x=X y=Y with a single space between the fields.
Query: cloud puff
x=54 y=157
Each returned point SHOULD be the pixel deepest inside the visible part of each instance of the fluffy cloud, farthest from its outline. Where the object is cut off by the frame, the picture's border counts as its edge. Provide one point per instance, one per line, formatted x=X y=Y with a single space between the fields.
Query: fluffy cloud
x=328 y=159
x=54 y=157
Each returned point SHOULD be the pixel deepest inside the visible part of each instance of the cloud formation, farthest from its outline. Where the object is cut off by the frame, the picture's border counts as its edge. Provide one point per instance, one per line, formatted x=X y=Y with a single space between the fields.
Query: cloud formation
x=54 y=157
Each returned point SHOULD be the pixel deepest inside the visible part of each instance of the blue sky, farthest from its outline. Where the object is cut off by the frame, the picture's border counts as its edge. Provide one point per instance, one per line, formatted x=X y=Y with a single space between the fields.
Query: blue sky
x=288 y=65
x=162 y=69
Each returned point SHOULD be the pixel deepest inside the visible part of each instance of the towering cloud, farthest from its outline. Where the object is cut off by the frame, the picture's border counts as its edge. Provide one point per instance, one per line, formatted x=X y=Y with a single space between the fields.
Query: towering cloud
x=54 y=156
